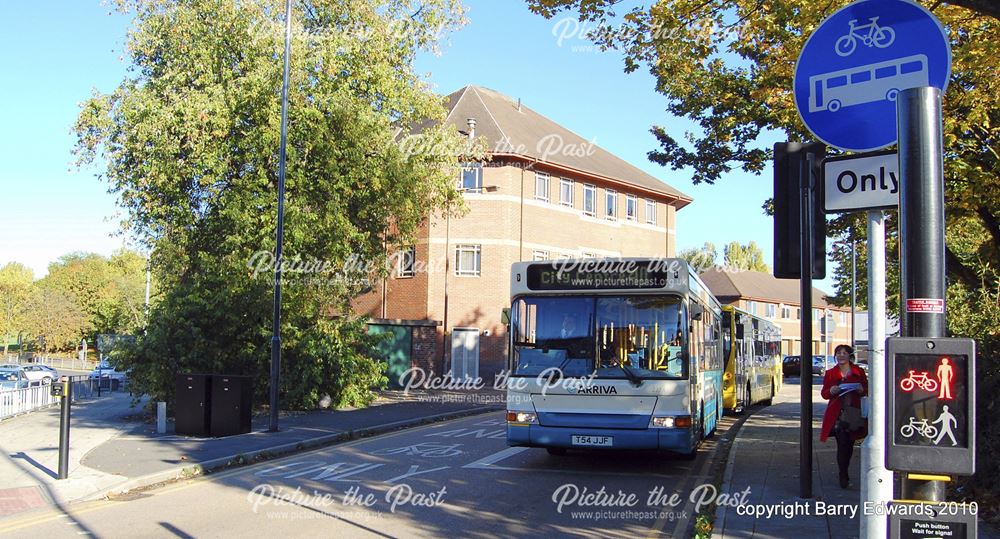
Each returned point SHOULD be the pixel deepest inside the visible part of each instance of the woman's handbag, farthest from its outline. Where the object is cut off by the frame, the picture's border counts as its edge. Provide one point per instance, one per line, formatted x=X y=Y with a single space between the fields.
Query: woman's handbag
x=850 y=418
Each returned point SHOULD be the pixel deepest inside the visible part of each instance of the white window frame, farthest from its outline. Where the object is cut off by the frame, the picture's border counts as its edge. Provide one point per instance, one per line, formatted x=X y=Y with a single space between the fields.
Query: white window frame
x=467 y=248
x=563 y=182
x=592 y=191
x=631 y=199
x=478 y=167
x=752 y=307
x=771 y=310
x=539 y=254
x=651 y=211
x=610 y=195
x=786 y=312
x=401 y=270
x=543 y=179
x=585 y=254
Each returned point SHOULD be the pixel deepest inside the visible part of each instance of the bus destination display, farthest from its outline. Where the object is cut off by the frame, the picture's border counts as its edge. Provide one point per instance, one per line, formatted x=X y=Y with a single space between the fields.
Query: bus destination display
x=602 y=275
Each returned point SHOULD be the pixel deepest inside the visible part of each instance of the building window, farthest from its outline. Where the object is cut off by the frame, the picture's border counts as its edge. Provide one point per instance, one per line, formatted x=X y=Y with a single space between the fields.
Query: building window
x=539 y=255
x=771 y=309
x=585 y=254
x=542 y=186
x=798 y=313
x=472 y=178
x=566 y=192
x=650 y=212
x=631 y=207
x=843 y=317
x=610 y=204
x=589 y=199
x=817 y=314
x=404 y=262
x=565 y=256
x=786 y=312
x=752 y=307
x=468 y=259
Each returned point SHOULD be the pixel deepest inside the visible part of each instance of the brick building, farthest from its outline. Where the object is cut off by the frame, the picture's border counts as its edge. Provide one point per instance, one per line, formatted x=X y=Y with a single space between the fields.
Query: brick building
x=778 y=300
x=545 y=193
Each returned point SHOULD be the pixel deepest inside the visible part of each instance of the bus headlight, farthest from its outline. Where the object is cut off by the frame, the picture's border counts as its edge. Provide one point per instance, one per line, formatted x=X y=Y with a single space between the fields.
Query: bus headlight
x=664 y=422
x=671 y=422
x=521 y=417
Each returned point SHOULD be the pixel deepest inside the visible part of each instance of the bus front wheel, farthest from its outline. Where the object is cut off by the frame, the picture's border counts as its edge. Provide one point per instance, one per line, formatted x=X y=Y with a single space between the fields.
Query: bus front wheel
x=770 y=399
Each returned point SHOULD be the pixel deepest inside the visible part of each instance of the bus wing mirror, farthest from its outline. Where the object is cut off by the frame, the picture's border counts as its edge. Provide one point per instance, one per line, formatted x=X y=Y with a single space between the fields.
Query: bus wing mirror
x=696 y=311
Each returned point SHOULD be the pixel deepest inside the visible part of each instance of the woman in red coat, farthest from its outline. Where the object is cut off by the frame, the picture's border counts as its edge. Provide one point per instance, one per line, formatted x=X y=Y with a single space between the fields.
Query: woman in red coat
x=843 y=386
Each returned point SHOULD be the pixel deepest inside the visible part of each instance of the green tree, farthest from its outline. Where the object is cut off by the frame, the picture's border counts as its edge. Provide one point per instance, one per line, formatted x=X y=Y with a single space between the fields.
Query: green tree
x=55 y=319
x=190 y=140
x=747 y=257
x=700 y=259
x=15 y=290
x=111 y=291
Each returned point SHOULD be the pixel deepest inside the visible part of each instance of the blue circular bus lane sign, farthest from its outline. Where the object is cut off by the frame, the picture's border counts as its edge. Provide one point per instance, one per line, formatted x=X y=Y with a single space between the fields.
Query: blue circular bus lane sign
x=854 y=65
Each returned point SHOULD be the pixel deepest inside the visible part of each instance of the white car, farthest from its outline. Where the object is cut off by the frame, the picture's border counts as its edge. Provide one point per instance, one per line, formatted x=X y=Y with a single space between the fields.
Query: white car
x=105 y=371
x=41 y=373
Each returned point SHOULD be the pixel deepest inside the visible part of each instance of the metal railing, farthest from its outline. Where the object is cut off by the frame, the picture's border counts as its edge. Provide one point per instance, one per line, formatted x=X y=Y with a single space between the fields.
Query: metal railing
x=58 y=363
x=36 y=397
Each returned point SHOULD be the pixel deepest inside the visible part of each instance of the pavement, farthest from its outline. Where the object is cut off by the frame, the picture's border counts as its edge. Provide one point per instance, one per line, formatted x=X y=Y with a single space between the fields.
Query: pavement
x=765 y=458
x=113 y=450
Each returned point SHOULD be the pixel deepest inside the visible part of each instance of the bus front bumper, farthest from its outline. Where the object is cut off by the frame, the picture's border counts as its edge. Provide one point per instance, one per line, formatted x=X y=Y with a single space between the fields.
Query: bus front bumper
x=678 y=440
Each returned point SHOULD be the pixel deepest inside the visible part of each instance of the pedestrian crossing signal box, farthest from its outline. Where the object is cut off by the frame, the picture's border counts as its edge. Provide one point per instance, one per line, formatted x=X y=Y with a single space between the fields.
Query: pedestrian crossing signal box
x=932 y=406
x=57 y=389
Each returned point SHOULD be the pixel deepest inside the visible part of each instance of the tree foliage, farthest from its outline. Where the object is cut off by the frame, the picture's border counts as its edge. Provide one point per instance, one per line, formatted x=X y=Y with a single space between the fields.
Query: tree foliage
x=15 y=290
x=701 y=259
x=54 y=319
x=747 y=257
x=111 y=291
x=190 y=139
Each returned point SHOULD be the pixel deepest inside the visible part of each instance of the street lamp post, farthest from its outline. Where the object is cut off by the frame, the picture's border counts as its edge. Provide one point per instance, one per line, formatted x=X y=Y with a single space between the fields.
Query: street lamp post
x=276 y=329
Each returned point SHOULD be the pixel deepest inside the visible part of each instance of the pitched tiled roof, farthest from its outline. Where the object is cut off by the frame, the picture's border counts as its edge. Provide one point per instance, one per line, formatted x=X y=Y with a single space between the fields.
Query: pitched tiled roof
x=511 y=128
x=755 y=285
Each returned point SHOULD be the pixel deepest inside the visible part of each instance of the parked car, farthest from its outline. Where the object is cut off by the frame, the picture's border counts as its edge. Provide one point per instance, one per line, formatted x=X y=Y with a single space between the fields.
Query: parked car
x=104 y=371
x=7 y=366
x=41 y=373
x=821 y=364
x=13 y=378
x=791 y=366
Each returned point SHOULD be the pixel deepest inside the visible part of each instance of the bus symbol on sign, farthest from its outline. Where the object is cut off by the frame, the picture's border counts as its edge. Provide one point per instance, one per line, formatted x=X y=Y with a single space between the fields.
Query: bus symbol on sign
x=867 y=83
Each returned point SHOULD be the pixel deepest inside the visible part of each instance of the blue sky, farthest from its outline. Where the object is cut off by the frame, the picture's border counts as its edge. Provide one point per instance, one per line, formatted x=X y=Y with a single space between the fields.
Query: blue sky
x=54 y=57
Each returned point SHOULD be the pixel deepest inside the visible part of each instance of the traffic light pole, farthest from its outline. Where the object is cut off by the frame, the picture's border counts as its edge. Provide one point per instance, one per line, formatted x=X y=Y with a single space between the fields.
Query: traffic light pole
x=921 y=232
x=805 y=344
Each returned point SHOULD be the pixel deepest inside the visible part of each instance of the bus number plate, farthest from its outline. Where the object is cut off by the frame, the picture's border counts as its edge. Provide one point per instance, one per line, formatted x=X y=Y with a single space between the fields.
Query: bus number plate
x=599 y=441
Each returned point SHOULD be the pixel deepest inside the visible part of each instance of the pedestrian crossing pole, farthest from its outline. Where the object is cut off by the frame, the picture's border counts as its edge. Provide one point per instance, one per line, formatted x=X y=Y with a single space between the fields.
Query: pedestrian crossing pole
x=921 y=232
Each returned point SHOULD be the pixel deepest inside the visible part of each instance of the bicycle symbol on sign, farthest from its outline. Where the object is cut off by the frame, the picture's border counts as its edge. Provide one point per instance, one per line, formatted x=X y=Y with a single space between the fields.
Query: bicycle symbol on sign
x=925 y=429
x=877 y=36
x=426 y=449
x=922 y=380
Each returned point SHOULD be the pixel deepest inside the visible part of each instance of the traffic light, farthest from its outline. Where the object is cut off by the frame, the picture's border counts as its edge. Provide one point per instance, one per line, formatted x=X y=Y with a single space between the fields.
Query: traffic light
x=790 y=162
x=932 y=408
